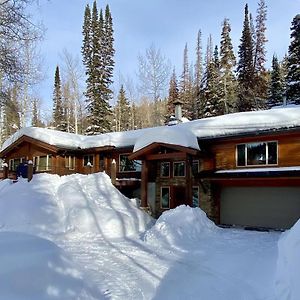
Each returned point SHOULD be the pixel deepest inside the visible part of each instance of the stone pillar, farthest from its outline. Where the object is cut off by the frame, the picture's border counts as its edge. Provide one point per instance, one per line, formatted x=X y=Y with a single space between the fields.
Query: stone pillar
x=29 y=170
x=113 y=174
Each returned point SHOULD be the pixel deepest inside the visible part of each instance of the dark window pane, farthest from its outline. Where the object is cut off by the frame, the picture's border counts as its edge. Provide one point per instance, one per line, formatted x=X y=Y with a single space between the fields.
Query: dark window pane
x=195 y=197
x=272 y=153
x=241 y=155
x=256 y=154
x=179 y=169
x=195 y=167
x=165 y=169
x=165 y=197
x=88 y=160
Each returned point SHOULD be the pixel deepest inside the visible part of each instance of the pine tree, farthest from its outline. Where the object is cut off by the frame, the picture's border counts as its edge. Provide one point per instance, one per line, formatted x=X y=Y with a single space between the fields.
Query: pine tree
x=184 y=83
x=212 y=89
x=275 y=95
x=227 y=64
x=293 y=65
x=198 y=76
x=122 y=112
x=98 y=52
x=245 y=69
x=261 y=75
x=59 y=121
x=173 y=96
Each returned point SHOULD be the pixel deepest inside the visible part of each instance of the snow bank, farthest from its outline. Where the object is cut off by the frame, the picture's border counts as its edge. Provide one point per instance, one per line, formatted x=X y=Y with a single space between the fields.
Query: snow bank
x=50 y=204
x=287 y=283
x=180 y=228
x=36 y=269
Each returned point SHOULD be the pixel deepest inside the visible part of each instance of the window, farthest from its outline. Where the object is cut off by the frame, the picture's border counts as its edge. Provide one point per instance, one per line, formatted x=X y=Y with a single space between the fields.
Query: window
x=43 y=163
x=127 y=165
x=165 y=169
x=195 y=167
x=88 y=160
x=195 y=193
x=179 y=169
x=165 y=197
x=70 y=162
x=13 y=163
x=255 y=154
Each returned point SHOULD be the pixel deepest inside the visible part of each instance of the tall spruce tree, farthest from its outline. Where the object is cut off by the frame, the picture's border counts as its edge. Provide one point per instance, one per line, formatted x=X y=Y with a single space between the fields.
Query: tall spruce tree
x=227 y=64
x=293 y=64
x=259 y=59
x=184 y=83
x=212 y=89
x=198 y=76
x=276 y=88
x=59 y=121
x=98 y=52
x=245 y=68
x=122 y=112
x=172 y=97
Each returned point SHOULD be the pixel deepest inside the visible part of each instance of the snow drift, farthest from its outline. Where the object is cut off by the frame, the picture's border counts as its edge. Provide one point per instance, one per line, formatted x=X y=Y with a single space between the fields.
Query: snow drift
x=50 y=204
x=180 y=228
x=287 y=283
x=36 y=269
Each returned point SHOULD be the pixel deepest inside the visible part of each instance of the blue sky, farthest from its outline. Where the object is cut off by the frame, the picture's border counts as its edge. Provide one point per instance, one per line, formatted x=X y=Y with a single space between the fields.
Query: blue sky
x=169 y=24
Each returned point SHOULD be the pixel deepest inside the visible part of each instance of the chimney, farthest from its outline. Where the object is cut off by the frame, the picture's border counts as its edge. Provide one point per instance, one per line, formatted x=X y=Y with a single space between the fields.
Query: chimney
x=178 y=110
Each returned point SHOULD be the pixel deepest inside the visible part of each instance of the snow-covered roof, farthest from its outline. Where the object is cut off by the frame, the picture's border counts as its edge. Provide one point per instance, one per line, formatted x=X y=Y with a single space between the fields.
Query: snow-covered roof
x=184 y=134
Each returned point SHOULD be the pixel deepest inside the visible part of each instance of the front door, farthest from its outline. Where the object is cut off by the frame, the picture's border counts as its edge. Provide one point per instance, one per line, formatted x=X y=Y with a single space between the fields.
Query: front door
x=178 y=196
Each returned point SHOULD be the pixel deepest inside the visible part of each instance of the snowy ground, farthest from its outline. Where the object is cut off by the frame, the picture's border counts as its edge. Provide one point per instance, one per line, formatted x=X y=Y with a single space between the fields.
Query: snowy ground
x=79 y=238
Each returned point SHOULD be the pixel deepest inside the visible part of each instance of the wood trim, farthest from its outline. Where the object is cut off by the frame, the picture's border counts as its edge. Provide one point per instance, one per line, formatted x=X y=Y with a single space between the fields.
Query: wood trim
x=140 y=154
x=25 y=138
x=164 y=156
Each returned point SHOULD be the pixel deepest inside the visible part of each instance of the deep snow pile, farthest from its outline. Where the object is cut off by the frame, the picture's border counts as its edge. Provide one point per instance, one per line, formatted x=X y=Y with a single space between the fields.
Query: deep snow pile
x=50 y=204
x=180 y=228
x=36 y=269
x=287 y=284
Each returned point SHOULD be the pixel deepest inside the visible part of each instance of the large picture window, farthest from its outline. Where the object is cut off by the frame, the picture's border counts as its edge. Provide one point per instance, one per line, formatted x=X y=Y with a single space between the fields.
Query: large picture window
x=256 y=154
x=127 y=165
x=165 y=197
x=179 y=169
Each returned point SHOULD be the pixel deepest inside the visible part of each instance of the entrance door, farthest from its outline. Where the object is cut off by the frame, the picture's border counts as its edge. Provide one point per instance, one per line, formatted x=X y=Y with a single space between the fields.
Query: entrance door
x=178 y=194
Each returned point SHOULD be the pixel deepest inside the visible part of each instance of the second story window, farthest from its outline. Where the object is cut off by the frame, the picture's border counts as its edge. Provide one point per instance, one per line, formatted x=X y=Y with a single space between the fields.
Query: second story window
x=256 y=154
x=179 y=169
x=165 y=169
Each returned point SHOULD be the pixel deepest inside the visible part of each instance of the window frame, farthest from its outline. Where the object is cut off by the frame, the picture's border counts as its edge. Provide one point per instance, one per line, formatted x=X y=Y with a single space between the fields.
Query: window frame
x=139 y=162
x=88 y=161
x=246 y=155
x=68 y=159
x=198 y=192
x=36 y=160
x=165 y=162
x=169 y=202
x=178 y=162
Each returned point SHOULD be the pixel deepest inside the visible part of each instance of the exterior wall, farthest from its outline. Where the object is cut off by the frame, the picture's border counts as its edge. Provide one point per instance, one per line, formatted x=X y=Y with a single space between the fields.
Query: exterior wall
x=288 y=150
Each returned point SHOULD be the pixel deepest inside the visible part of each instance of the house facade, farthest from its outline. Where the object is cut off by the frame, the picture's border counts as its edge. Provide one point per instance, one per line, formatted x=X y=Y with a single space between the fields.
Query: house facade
x=241 y=169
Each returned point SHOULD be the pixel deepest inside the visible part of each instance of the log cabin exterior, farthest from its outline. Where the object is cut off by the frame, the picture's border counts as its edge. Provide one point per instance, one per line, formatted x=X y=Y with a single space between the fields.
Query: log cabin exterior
x=243 y=171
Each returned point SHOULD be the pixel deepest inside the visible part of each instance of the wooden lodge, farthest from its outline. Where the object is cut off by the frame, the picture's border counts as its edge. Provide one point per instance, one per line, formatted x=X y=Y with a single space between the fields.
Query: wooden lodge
x=241 y=169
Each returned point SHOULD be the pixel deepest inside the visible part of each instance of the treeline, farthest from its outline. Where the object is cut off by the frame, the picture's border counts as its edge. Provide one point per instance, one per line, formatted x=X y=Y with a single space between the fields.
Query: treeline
x=218 y=82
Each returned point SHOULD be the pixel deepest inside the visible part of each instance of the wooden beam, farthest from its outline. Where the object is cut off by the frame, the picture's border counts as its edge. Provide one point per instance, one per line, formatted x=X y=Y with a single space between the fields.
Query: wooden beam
x=164 y=156
x=144 y=184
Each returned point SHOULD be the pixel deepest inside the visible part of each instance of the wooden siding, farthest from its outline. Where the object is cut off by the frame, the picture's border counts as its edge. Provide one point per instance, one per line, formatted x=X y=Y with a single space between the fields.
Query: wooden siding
x=288 y=150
